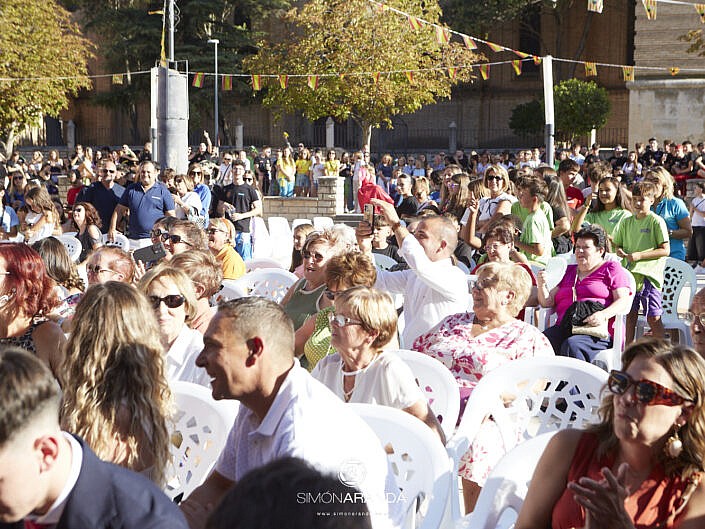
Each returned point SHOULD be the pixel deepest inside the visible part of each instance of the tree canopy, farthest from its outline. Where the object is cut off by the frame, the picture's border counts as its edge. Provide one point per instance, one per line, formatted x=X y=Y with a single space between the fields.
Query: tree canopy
x=41 y=47
x=352 y=37
x=579 y=107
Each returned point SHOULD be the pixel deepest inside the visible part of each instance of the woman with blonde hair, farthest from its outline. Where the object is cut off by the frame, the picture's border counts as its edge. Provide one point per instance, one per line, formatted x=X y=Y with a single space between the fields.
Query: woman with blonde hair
x=221 y=236
x=115 y=393
x=286 y=172
x=42 y=218
x=671 y=209
x=173 y=299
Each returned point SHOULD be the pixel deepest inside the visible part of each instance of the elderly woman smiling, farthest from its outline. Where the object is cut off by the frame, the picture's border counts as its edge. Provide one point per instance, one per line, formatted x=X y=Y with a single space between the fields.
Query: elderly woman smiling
x=362 y=324
x=473 y=344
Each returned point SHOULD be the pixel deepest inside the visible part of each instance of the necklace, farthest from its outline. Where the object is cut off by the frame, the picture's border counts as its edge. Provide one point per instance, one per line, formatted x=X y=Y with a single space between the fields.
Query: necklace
x=348 y=394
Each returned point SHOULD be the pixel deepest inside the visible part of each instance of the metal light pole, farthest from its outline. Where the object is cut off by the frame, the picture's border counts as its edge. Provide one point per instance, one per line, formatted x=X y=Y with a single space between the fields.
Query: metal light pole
x=216 y=42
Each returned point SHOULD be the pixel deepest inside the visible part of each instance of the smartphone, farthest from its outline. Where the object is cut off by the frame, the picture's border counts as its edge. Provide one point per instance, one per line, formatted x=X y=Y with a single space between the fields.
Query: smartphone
x=369 y=215
x=151 y=253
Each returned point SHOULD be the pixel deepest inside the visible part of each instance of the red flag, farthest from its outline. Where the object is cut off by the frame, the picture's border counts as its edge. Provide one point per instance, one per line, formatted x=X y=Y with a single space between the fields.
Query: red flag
x=410 y=76
x=485 y=71
x=495 y=47
x=198 y=80
x=256 y=82
x=283 y=81
x=469 y=43
x=442 y=35
x=452 y=72
x=414 y=22
x=312 y=82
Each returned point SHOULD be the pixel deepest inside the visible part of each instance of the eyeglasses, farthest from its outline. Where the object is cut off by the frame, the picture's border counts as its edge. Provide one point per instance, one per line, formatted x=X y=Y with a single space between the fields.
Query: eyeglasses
x=175 y=239
x=18 y=177
x=315 y=256
x=157 y=234
x=227 y=160
x=646 y=391
x=342 y=321
x=96 y=269
x=213 y=231
x=690 y=318
x=485 y=282
x=330 y=294
x=194 y=173
x=172 y=301
x=494 y=177
x=248 y=179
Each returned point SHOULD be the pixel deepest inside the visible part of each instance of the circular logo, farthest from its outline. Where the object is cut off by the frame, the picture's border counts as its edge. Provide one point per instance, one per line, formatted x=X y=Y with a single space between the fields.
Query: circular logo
x=352 y=473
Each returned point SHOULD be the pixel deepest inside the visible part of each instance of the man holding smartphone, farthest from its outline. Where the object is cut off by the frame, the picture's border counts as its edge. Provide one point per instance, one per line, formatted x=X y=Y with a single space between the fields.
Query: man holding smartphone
x=239 y=202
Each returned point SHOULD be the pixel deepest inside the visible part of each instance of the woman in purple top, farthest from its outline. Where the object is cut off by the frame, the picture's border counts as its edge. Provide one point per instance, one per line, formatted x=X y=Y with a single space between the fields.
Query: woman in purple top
x=591 y=279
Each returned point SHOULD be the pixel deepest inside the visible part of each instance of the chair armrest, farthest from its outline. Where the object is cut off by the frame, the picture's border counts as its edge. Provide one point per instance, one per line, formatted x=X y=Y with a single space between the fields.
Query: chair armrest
x=544 y=317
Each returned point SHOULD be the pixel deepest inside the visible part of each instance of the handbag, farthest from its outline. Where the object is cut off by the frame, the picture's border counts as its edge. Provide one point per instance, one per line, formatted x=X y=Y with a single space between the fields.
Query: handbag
x=578 y=311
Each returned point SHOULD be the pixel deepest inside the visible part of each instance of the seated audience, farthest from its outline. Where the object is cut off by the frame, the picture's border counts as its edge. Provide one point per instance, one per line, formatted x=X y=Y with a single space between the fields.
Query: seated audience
x=297 y=261
x=110 y=263
x=206 y=276
x=221 y=236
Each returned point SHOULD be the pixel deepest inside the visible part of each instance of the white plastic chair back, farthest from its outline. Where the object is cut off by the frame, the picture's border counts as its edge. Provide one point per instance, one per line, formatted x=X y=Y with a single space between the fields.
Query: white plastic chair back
x=298 y=222
x=505 y=489
x=73 y=246
x=121 y=241
x=261 y=262
x=421 y=466
x=272 y=283
x=230 y=290
x=383 y=261
x=322 y=223
x=201 y=427
x=611 y=358
x=282 y=240
x=528 y=397
x=439 y=386
x=676 y=276
x=261 y=241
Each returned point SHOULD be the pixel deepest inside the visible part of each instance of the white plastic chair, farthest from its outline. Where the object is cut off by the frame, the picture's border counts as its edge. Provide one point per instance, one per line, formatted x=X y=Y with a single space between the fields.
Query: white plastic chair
x=322 y=223
x=201 y=427
x=72 y=245
x=261 y=262
x=230 y=289
x=676 y=275
x=298 y=222
x=439 y=386
x=272 y=283
x=383 y=261
x=261 y=240
x=121 y=241
x=505 y=489
x=420 y=464
x=528 y=397
x=282 y=240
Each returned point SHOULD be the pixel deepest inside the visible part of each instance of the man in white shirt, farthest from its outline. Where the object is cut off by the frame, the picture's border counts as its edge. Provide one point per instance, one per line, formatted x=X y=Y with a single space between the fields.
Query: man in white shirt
x=48 y=478
x=433 y=288
x=249 y=356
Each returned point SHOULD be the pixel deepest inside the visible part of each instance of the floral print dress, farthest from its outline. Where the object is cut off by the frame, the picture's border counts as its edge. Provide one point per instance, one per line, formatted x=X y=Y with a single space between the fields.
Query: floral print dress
x=469 y=358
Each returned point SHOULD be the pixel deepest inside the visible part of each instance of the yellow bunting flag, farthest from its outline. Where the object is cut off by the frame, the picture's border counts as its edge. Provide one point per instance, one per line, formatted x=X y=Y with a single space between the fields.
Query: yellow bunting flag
x=375 y=77
x=117 y=78
x=628 y=73
x=469 y=43
x=198 y=80
x=521 y=54
x=442 y=35
x=590 y=69
x=650 y=7
x=495 y=47
x=227 y=83
x=312 y=82
x=381 y=8
x=256 y=82
x=485 y=71
x=700 y=9
x=410 y=76
x=537 y=60
x=674 y=70
x=414 y=22
x=341 y=76
x=452 y=72
x=516 y=64
x=283 y=81
x=595 y=6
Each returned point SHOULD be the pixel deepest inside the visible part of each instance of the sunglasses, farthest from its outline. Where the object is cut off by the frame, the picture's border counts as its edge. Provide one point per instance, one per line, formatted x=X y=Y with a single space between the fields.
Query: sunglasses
x=315 y=256
x=646 y=391
x=157 y=234
x=96 y=269
x=172 y=301
x=175 y=239
x=494 y=177
x=109 y=171
x=193 y=173
x=342 y=321
x=248 y=180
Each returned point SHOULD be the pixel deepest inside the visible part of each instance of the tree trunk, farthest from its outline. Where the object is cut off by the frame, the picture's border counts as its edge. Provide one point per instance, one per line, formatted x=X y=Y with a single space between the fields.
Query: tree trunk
x=225 y=130
x=366 y=133
x=9 y=143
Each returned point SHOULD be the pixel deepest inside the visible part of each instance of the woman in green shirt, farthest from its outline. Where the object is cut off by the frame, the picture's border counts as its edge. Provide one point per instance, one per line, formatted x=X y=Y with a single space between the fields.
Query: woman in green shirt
x=607 y=210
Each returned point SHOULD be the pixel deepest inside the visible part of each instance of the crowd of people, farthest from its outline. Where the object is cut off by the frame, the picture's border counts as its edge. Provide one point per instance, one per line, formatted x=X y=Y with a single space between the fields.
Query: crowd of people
x=89 y=350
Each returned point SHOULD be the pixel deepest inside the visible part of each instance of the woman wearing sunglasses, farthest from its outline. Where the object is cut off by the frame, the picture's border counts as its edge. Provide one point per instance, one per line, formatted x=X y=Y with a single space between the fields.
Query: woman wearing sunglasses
x=183 y=236
x=363 y=322
x=640 y=467
x=171 y=294
x=499 y=202
x=312 y=339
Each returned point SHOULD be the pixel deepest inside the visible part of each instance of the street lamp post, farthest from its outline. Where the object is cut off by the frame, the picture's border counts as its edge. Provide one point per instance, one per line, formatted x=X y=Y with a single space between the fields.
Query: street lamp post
x=215 y=42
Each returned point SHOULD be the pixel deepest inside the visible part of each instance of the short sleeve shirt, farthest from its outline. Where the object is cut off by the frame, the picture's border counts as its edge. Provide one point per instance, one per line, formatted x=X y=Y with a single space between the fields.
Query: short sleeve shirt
x=637 y=235
x=242 y=197
x=609 y=220
x=146 y=207
x=672 y=210
x=536 y=230
x=9 y=219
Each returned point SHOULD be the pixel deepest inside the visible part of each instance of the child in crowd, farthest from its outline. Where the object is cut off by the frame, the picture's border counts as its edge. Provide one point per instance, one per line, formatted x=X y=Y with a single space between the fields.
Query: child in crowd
x=380 y=239
x=297 y=261
x=642 y=243
x=535 y=238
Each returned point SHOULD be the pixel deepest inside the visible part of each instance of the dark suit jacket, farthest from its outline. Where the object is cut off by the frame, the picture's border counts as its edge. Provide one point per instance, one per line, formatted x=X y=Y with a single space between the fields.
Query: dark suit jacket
x=110 y=497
